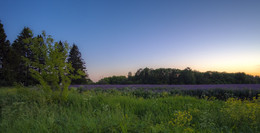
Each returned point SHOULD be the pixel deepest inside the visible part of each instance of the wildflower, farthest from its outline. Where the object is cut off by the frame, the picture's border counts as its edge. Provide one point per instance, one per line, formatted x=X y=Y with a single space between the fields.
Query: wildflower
x=181 y=119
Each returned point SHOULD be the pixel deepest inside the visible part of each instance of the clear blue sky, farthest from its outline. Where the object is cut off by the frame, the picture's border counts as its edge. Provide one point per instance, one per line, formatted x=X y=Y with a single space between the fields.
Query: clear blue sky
x=116 y=37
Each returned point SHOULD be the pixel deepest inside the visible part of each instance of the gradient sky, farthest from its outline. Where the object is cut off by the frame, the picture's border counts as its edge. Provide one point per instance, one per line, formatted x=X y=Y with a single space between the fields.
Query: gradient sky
x=115 y=37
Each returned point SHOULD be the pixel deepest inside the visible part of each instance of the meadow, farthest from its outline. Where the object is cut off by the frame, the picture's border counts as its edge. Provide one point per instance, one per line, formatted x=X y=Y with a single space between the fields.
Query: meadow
x=130 y=109
x=218 y=91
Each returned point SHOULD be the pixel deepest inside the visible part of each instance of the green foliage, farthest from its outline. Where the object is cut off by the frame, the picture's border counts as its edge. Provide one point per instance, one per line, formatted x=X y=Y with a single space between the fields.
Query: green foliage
x=49 y=66
x=22 y=50
x=246 y=112
x=187 y=77
x=20 y=62
x=28 y=110
x=114 y=80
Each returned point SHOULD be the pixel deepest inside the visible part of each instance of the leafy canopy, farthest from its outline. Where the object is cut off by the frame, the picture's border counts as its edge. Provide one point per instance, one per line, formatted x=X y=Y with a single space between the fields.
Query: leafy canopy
x=49 y=65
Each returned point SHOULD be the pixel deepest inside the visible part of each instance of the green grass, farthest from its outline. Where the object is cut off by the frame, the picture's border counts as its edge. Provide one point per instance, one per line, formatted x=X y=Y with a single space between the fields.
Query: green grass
x=28 y=110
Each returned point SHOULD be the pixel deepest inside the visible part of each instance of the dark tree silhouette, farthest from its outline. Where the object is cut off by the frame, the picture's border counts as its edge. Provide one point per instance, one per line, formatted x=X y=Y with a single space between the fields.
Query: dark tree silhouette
x=78 y=64
x=114 y=80
x=22 y=50
x=61 y=46
x=177 y=76
x=6 y=76
x=187 y=76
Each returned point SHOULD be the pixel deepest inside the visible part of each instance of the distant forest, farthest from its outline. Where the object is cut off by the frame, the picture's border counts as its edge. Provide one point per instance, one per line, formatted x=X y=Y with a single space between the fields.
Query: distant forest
x=14 y=67
x=177 y=76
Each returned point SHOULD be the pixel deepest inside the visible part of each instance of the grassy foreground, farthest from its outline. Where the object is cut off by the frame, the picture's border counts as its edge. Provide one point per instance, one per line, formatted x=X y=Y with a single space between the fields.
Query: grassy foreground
x=28 y=110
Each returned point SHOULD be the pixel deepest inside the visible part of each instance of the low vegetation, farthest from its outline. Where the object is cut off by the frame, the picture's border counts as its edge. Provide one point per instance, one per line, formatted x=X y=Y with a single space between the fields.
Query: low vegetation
x=29 y=110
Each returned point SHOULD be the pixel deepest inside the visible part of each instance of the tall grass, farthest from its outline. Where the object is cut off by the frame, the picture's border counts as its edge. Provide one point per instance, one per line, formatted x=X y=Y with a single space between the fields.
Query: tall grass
x=28 y=110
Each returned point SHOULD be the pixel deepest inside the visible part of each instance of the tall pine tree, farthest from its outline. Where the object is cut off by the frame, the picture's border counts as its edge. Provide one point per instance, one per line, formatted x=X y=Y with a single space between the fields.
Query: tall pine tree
x=22 y=50
x=6 y=76
x=78 y=64
x=61 y=46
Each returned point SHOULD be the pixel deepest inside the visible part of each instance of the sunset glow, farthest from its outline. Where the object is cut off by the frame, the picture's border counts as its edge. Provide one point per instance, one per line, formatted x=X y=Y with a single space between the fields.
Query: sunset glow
x=117 y=37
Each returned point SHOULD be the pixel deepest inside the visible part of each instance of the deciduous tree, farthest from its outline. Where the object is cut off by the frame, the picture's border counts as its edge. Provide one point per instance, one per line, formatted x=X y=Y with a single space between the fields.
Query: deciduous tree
x=54 y=74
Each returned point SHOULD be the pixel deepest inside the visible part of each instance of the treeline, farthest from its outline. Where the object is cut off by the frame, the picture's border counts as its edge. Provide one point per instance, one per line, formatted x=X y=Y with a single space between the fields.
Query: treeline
x=15 y=69
x=177 y=76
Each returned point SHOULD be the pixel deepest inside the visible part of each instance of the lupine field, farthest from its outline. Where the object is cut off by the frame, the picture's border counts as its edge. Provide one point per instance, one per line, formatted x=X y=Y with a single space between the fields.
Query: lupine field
x=133 y=108
x=222 y=92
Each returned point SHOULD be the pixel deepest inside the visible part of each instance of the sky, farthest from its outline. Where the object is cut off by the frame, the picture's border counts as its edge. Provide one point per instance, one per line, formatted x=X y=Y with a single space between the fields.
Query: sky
x=120 y=36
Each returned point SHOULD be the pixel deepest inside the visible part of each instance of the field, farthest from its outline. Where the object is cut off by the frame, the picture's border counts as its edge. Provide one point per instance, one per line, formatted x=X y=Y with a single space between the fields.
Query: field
x=221 y=92
x=133 y=108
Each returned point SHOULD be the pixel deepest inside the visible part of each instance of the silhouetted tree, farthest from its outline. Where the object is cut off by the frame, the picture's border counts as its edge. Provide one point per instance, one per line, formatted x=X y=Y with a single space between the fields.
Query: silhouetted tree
x=173 y=77
x=129 y=74
x=187 y=76
x=61 y=46
x=6 y=75
x=78 y=64
x=130 y=78
x=240 y=78
x=114 y=80
x=22 y=50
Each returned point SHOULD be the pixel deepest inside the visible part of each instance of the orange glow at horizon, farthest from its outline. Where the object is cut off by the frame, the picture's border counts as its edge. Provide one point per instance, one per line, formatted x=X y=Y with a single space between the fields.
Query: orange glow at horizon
x=247 y=69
